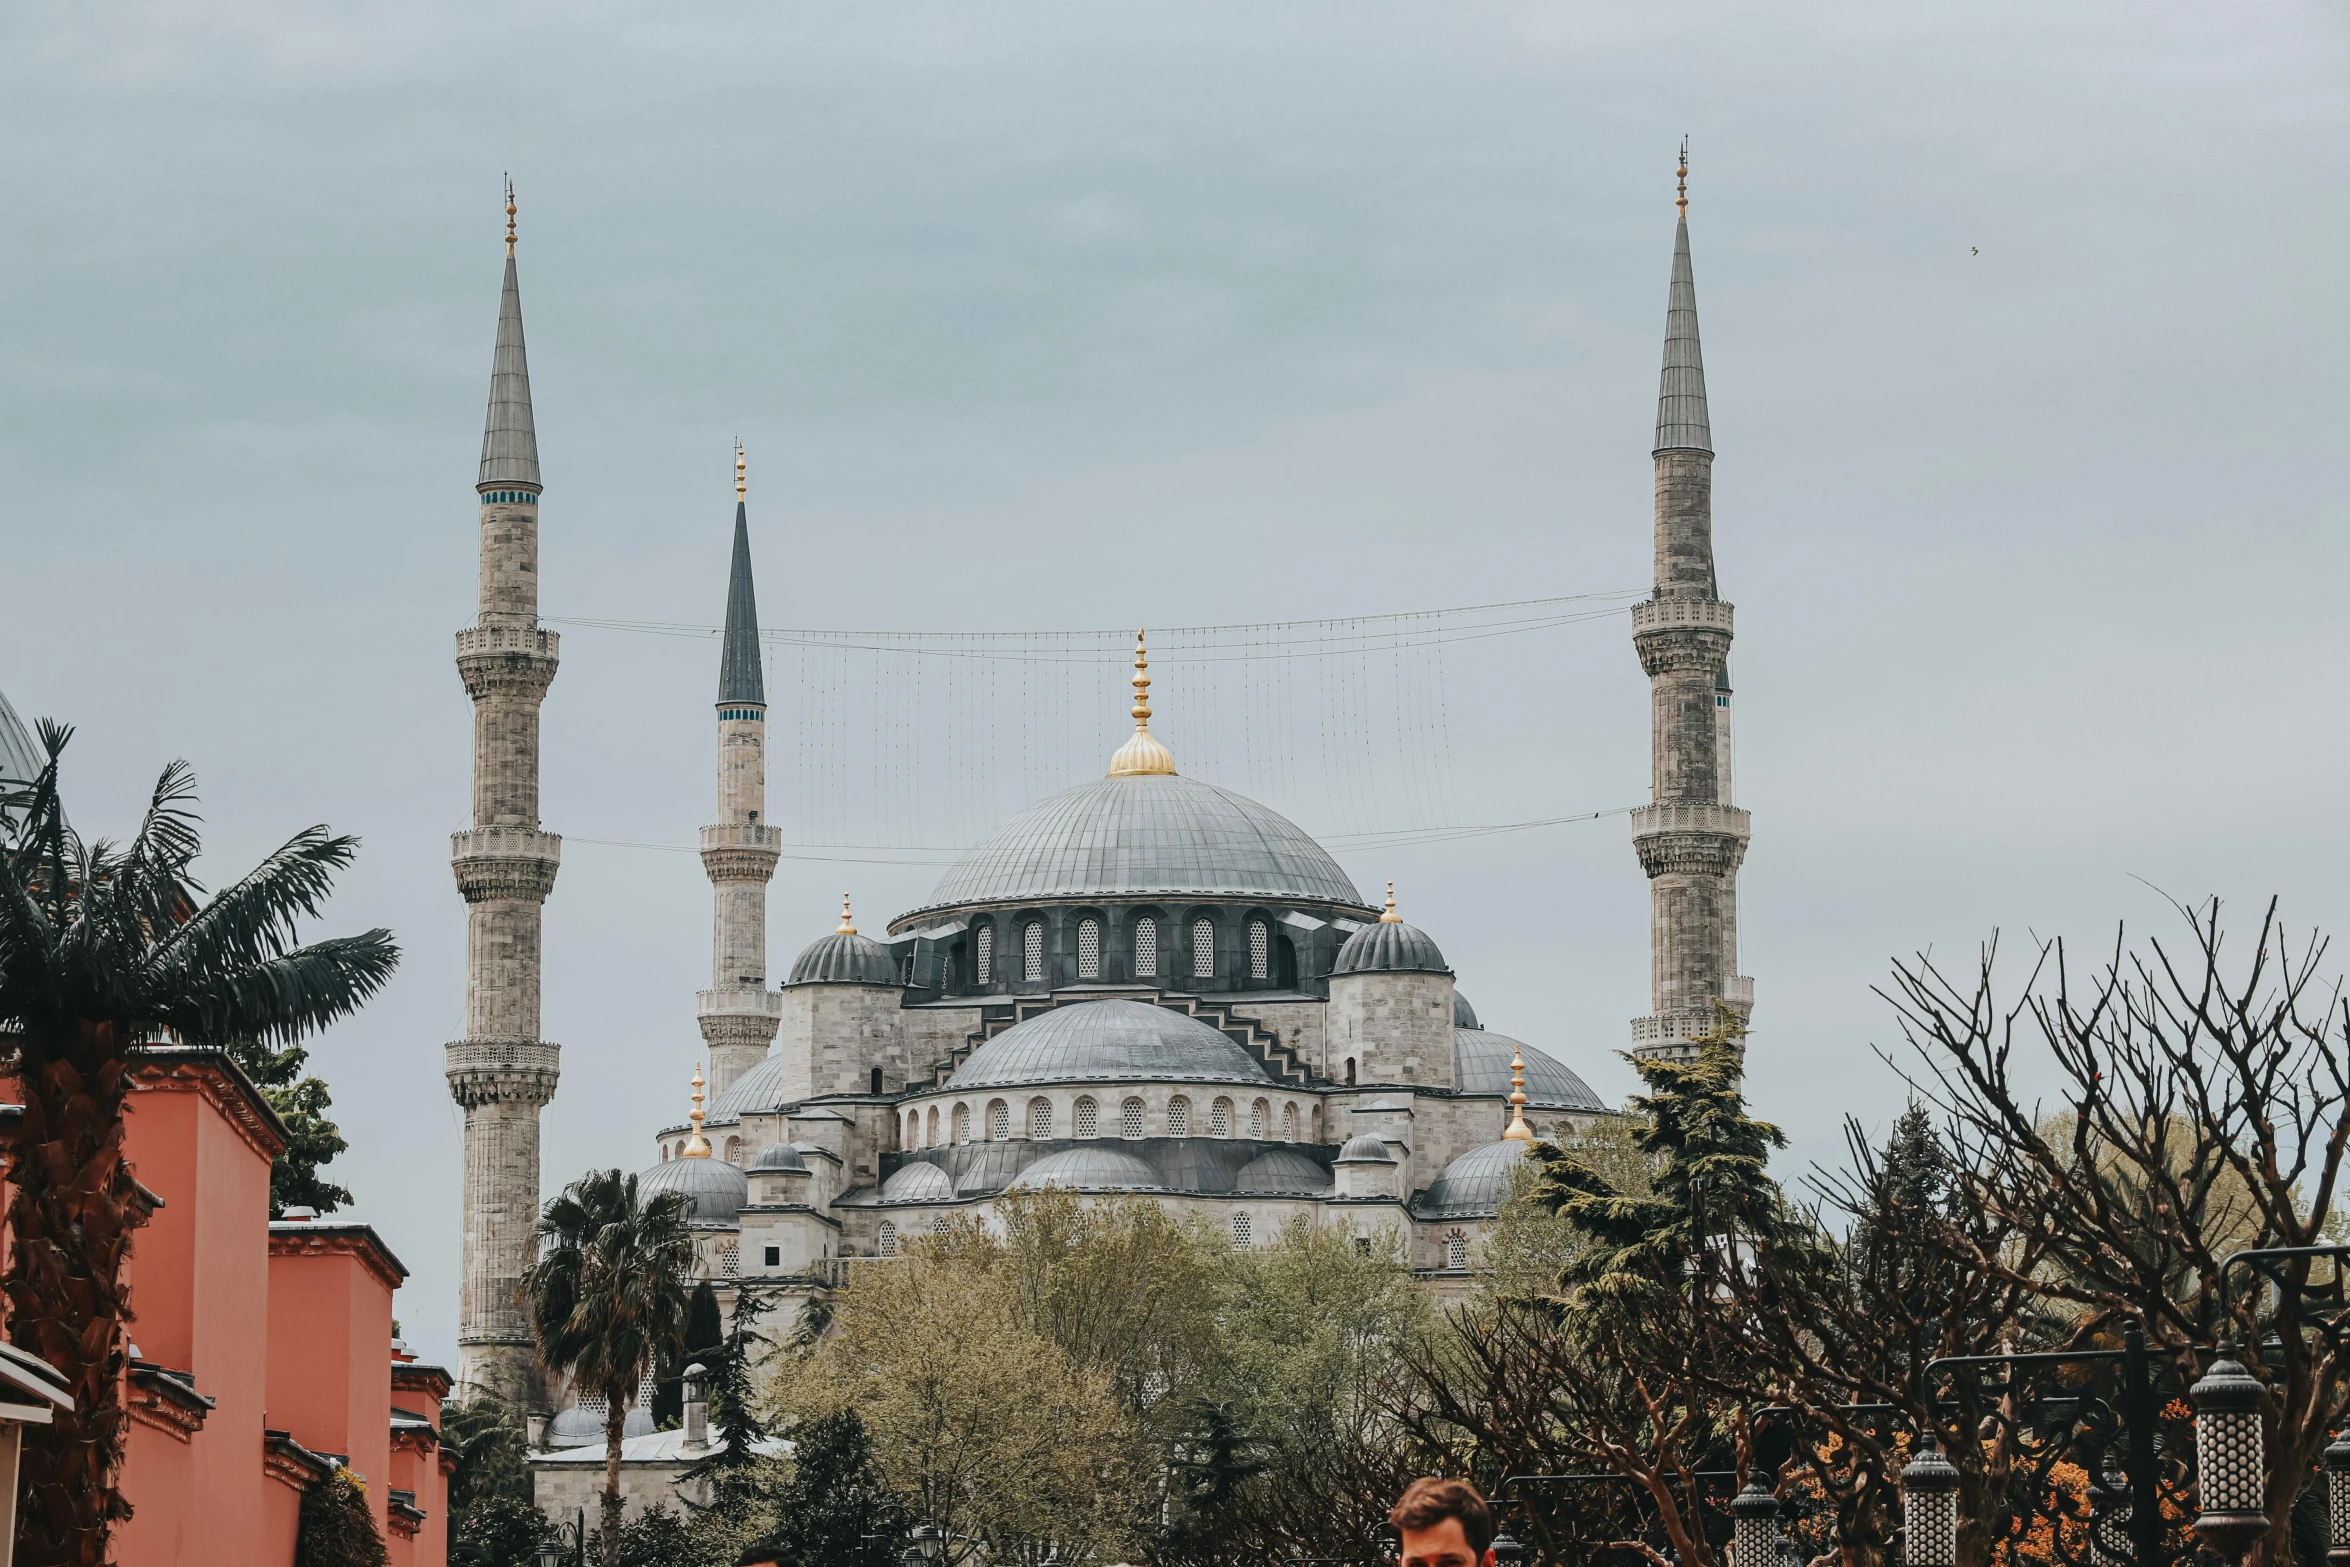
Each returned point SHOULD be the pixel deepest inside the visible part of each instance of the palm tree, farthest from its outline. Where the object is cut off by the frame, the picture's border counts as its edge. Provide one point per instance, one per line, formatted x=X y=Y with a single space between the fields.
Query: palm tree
x=607 y=1300
x=104 y=946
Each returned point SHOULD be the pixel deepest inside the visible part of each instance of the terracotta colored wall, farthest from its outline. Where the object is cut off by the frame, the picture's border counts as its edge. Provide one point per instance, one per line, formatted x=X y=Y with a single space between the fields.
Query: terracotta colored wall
x=159 y=1474
x=330 y=1335
x=419 y=1391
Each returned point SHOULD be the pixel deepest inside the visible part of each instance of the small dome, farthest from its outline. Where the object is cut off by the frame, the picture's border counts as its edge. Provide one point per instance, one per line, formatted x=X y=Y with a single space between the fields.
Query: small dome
x=580 y=1426
x=755 y=1092
x=845 y=958
x=1472 y=1186
x=1366 y=1147
x=1389 y=947
x=778 y=1158
x=1463 y=1014
x=718 y=1189
x=1481 y=1065
x=1107 y=1042
x=1091 y=1170
x=918 y=1182
x=1281 y=1172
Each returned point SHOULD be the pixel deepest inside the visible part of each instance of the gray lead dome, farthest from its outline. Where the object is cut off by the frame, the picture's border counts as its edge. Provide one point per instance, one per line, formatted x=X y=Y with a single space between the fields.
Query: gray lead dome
x=1390 y=947
x=1481 y=1065
x=1146 y=835
x=717 y=1188
x=844 y=958
x=1472 y=1186
x=1107 y=1042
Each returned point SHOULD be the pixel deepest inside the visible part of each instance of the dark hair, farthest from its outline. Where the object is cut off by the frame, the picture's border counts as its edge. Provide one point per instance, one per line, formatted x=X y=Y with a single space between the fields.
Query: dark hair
x=1427 y=1502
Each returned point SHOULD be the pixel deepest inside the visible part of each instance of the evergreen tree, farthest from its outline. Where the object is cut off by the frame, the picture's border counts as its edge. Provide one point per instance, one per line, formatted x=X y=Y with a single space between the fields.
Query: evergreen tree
x=734 y=1415
x=486 y=1437
x=704 y=1336
x=834 y=1510
x=498 y=1531
x=313 y=1140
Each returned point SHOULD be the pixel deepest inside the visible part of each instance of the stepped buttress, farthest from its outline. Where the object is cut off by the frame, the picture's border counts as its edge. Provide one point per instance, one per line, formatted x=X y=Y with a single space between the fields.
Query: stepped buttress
x=502 y=1073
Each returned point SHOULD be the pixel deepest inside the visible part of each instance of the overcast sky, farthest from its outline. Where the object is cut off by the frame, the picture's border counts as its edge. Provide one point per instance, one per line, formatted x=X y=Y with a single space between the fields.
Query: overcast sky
x=2024 y=327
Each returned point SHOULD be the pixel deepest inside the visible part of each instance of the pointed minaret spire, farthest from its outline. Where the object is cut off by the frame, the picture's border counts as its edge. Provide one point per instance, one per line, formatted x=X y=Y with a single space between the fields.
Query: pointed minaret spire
x=1681 y=422
x=739 y=677
x=509 y=442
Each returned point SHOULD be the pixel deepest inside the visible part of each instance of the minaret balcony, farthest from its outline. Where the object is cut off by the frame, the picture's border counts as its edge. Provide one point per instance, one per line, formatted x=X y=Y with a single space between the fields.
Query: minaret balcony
x=475 y=641
x=738 y=1001
x=1673 y=614
x=741 y=851
x=1726 y=820
x=743 y=835
x=505 y=862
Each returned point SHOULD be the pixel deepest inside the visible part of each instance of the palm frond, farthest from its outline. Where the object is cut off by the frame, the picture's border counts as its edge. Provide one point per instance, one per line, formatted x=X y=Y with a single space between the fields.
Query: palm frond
x=283 y=998
x=254 y=918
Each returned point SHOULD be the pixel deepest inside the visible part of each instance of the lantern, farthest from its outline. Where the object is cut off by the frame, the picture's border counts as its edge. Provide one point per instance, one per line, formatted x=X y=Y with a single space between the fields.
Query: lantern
x=1507 y=1552
x=2231 y=1471
x=1754 y=1541
x=2338 y=1500
x=1929 y=1508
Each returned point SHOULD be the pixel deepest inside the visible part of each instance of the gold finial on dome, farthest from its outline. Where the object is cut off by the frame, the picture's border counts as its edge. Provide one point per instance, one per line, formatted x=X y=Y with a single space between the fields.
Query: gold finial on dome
x=1681 y=178
x=1518 y=1131
x=848 y=926
x=1143 y=753
x=1391 y=917
x=697 y=1146
x=509 y=214
x=741 y=484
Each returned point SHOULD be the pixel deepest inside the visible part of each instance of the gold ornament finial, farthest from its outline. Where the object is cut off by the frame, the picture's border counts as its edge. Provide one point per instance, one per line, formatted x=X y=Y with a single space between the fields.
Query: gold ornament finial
x=742 y=483
x=1681 y=176
x=848 y=926
x=1518 y=1131
x=697 y=1146
x=1143 y=753
x=509 y=214
x=1391 y=917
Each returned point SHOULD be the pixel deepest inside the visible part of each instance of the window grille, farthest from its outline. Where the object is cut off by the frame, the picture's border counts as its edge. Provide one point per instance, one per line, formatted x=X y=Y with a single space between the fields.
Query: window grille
x=1040 y=1119
x=962 y=1124
x=734 y=1150
x=593 y=1403
x=999 y=1121
x=1203 y=949
x=1130 y=1118
x=1178 y=1117
x=774 y=1256
x=1089 y=949
x=1260 y=950
x=730 y=1260
x=1220 y=1118
x=888 y=1245
x=1241 y=1229
x=644 y=1389
x=1256 y=1120
x=1456 y=1251
x=1146 y=948
x=1289 y=1123
x=983 y=965
x=1032 y=940
x=1085 y=1119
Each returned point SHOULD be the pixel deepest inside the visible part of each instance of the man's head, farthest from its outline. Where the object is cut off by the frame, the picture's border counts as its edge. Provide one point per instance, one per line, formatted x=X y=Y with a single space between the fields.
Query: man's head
x=1444 y=1523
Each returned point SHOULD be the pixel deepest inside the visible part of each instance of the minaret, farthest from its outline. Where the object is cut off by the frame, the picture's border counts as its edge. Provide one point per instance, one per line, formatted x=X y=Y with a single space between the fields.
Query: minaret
x=738 y=1013
x=501 y=1072
x=1690 y=838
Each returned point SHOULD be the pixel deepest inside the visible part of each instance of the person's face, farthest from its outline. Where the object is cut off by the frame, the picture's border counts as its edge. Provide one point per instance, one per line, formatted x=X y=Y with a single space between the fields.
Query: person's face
x=1441 y=1545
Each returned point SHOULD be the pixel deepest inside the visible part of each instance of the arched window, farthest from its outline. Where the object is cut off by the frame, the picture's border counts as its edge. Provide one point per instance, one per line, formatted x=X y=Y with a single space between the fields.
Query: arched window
x=1241 y=1229
x=1089 y=949
x=1203 y=949
x=1258 y=1114
x=877 y=1080
x=734 y=1150
x=1130 y=1118
x=1289 y=1123
x=664 y=1153
x=999 y=1120
x=1260 y=950
x=1456 y=1251
x=887 y=1243
x=1146 y=948
x=962 y=1124
x=1220 y=1117
x=1032 y=951
x=1178 y=1117
x=913 y=1129
x=930 y=1132
x=1040 y=1119
x=1350 y=1071
x=1085 y=1119
x=983 y=964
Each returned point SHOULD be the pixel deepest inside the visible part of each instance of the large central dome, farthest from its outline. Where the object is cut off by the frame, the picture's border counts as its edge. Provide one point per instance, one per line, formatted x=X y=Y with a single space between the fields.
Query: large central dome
x=1146 y=835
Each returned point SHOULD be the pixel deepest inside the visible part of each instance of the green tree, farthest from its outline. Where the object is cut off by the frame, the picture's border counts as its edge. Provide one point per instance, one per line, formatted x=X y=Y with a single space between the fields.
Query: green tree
x=103 y=945
x=486 y=1437
x=705 y=1328
x=729 y=1382
x=605 y=1300
x=498 y=1531
x=833 y=1509
x=656 y=1537
x=312 y=1140
x=335 y=1528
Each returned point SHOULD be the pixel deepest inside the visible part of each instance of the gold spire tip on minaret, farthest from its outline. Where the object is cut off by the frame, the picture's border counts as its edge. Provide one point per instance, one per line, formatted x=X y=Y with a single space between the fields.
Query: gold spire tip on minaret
x=1390 y=917
x=848 y=926
x=697 y=1146
x=509 y=214
x=1143 y=754
x=1518 y=1131
x=742 y=483
x=1681 y=179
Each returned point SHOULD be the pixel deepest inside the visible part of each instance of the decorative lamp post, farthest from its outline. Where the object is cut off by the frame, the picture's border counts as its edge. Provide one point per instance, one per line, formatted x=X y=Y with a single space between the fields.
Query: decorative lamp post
x=1754 y=1539
x=550 y=1552
x=2231 y=1470
x=1507 y=1552
x=2338 y=1500
x=1929 y=1508
x=929 y=1541
x=2110 y=1531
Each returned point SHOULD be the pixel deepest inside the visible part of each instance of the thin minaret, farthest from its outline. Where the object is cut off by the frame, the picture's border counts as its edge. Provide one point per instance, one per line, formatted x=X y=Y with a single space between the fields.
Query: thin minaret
x=1690 y=838
x=738 y=1013
x=501 y=1072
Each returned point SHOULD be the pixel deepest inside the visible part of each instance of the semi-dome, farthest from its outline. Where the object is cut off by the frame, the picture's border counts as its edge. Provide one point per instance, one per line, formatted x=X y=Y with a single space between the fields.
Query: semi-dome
x=1390 y=947
x=1366 y=1148
x=1146 y=835
x=1473 y=1185
x=1281 y=1172
x=779 y=1159
x=1107 y=1042
x=844 y=958
x=718 y=1189
x=1095 y=1169
x=755 y=1092
x=1463 y=1014
x=581 y=1426
x=919 y=1182
x=1481 y=1065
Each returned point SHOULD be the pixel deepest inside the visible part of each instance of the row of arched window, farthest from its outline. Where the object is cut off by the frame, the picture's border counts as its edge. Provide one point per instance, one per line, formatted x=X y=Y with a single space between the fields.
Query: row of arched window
x=1456 y=1244
x=1145 y=950
x=1257 y=1121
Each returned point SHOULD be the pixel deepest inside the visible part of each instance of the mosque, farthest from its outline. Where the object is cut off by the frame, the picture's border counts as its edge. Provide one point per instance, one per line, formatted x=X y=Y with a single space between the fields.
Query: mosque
x=1145 y=986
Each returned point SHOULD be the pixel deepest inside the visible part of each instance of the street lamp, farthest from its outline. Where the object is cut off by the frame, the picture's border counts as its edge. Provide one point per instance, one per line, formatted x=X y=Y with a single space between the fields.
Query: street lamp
x=1929 y=1507
x=2231 y=1470
x=550 y=1551
x=1507 y=1552
x=1754 y=1536
x=2338 y=1500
